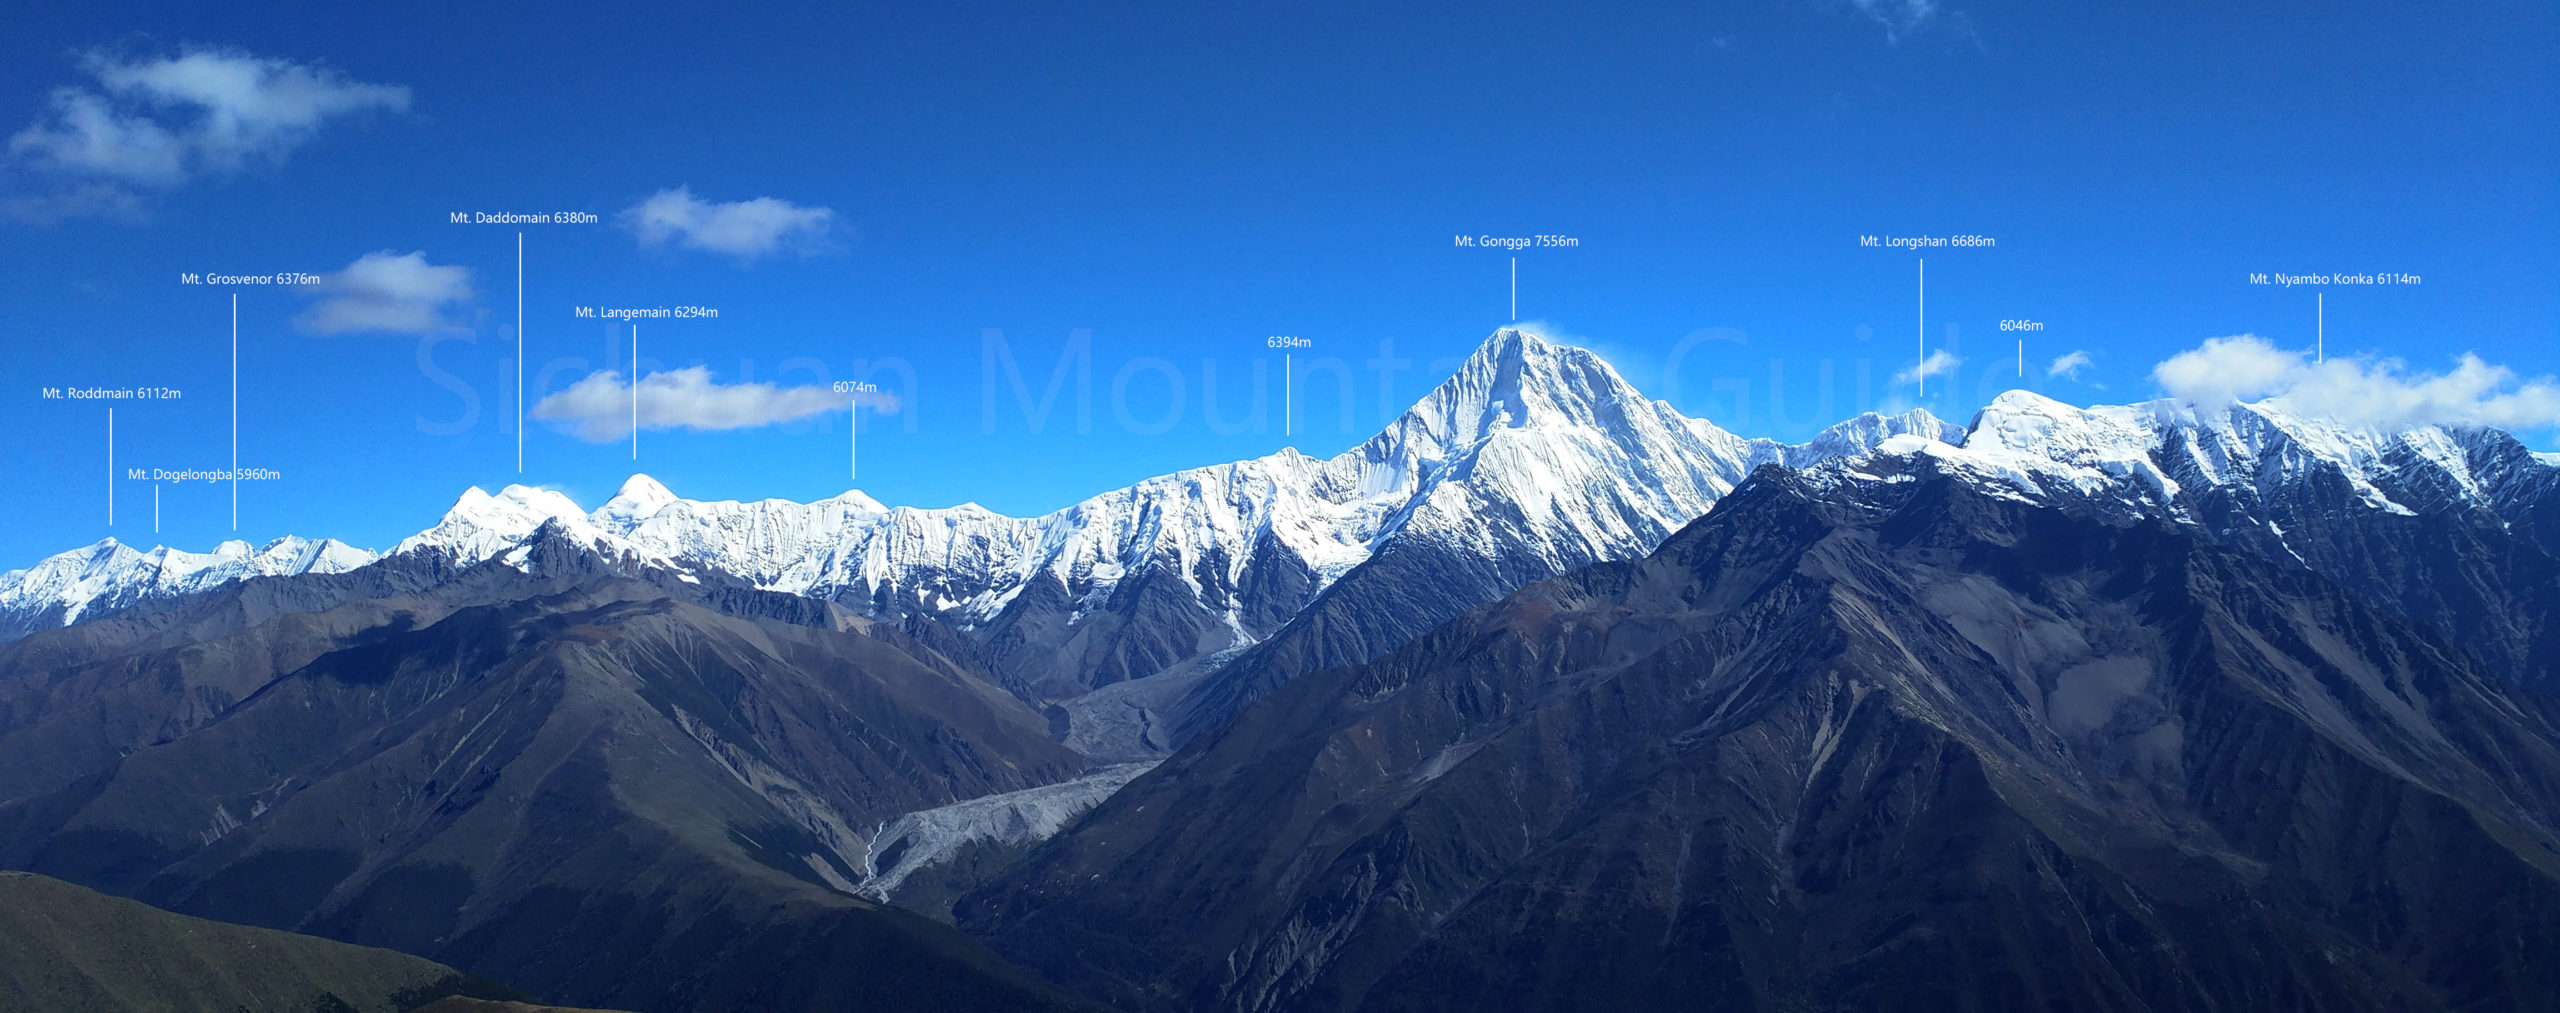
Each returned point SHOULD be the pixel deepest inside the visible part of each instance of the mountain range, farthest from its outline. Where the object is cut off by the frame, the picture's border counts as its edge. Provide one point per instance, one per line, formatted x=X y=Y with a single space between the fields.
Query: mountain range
x=1884 y=735
x=582 y=776
x=1546 y=695
x=1533 y=459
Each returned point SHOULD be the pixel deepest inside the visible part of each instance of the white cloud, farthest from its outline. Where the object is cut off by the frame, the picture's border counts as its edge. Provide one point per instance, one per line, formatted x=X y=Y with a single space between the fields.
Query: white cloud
x=155 y=123
x=85 y=200
x=1899 y=17
x=2069 y=365
x=2223 y=370
x=747 y=229
x=88 y=136
x=385 y=291
x=599 y=408
x=2377 y=392
x=1938 y=363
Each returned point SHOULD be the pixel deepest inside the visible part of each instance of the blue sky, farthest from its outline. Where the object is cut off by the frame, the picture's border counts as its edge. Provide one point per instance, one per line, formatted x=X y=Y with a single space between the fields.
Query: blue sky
x=1166 y=187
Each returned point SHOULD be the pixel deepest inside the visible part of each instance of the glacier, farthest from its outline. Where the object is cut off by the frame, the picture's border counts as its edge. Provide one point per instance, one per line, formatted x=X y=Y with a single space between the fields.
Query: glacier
x=918 y=840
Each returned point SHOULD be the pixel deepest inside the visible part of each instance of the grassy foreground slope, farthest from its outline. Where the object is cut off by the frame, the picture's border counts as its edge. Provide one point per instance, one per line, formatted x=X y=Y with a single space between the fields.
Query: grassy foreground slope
x=64 y=947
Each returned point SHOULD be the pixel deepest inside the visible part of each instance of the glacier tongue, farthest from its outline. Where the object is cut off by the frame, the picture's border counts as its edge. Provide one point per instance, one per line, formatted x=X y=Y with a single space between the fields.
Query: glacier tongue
x=904 y=846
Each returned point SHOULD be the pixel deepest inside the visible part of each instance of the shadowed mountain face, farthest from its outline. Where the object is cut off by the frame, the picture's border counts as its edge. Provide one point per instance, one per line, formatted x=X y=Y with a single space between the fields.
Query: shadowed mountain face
x=461 y=1004
x=2478 y=565
x=66 y=948
x=1882 y=741
x=589 y=779
x=2458 y=529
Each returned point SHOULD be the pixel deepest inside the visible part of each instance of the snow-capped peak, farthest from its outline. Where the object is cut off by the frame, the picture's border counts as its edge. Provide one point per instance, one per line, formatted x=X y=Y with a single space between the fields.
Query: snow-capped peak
x=1536 y=453
x=480 y=525
x=1514 y=380
x=639 y=497
x=1862 y=434
x=1537 y=450
x=106 y=574
x=2031 y=425
x=856 y=499
x=2027 y=444
x=2158 y=457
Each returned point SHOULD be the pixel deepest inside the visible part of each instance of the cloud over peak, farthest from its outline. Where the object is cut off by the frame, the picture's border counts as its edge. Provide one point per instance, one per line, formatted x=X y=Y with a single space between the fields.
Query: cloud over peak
x=1938 y=363
x=600 y=408
x=748 y=229
x=2224 y=370
x=155 y=123
x=2377 y=392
